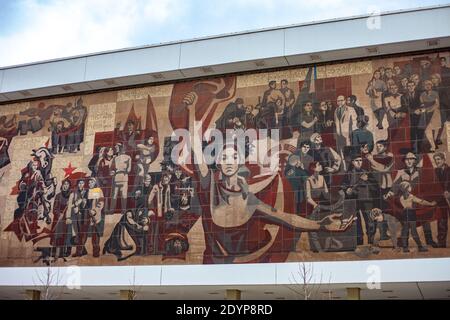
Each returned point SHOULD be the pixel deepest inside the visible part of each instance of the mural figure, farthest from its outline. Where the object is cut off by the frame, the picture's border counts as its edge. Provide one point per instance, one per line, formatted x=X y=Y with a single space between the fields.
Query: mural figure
x=217 y=195
x=381 y=164
x=346 y=120
x=412 y=174
x=442 y=173
x=62 y=235
x=429 y=100
x=128 y=137
x=120 y=168
x=328 y=158
x=296 y=174
x=146 y=155
x=8 y=129
x=136 y=223
x=411 y=102
x=36 y=190
x=96 y=215
x=361 y=166
x=361 y=185
x=375 y=89
x=325 y=122
x=79 y=217
x=409 y=219
x=308 y=120
x=233 y=115
x=362 y=135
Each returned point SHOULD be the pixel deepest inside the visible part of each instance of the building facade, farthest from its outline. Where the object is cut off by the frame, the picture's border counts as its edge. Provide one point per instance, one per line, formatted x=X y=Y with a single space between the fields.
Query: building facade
x=354 y=168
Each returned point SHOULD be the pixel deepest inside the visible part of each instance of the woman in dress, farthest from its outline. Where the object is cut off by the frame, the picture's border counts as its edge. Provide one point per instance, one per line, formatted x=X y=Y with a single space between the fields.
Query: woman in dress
x=429 y=100
x=444 y=103
x=399 y=123
x=308 y=120
x=375 y=89
x=317 y=195
x=325 y=123
x=104 y=178
x=231 y=213
x=316 y=188
x=136 y=223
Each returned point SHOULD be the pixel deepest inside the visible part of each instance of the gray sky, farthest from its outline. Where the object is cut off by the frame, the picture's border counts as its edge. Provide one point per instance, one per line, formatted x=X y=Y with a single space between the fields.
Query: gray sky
x=33 y=30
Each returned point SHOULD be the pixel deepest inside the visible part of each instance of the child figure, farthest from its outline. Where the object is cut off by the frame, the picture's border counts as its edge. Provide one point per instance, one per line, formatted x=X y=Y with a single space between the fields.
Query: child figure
x=392 y=223
x=409 y=218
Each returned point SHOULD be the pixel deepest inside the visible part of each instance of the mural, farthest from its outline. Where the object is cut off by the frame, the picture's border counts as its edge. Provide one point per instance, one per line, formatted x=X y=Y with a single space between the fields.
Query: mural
x=360 y=173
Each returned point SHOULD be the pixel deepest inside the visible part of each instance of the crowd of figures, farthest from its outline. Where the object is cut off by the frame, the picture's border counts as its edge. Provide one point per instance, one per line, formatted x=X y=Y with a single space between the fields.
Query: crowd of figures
x=391 y=182
x=36 y=188
x=154 y=206
x=66 y=124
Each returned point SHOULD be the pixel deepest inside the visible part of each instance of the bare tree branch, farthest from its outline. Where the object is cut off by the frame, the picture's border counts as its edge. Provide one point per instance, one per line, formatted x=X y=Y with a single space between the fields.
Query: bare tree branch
x=49 y=283
x=133 y=294
x=303 y=284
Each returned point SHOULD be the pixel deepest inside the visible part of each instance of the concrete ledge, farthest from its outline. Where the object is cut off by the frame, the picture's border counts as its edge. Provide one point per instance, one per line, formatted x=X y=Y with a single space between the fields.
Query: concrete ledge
x=357 y=272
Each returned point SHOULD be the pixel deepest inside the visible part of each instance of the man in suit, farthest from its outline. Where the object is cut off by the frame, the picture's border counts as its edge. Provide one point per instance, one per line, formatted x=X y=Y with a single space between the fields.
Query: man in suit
x=361 y=185
x=129 y=137
x=445 y=72
x=296 y=174
x=345 y=119
x=288 y=94
x=351 y=102
x=442 y=172
x=411 y=101
x=362 y=135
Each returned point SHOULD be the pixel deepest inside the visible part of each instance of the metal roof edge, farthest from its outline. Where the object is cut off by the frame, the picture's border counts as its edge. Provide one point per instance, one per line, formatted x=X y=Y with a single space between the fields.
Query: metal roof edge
x=225 y=35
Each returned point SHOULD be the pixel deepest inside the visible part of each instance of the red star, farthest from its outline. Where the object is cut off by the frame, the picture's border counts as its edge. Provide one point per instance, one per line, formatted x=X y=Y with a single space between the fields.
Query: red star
x=69 y=170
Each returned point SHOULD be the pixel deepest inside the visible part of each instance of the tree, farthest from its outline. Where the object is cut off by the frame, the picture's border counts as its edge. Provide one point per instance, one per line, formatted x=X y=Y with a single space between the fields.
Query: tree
x=132 y=293
x=303 y=282
x=49 y=283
